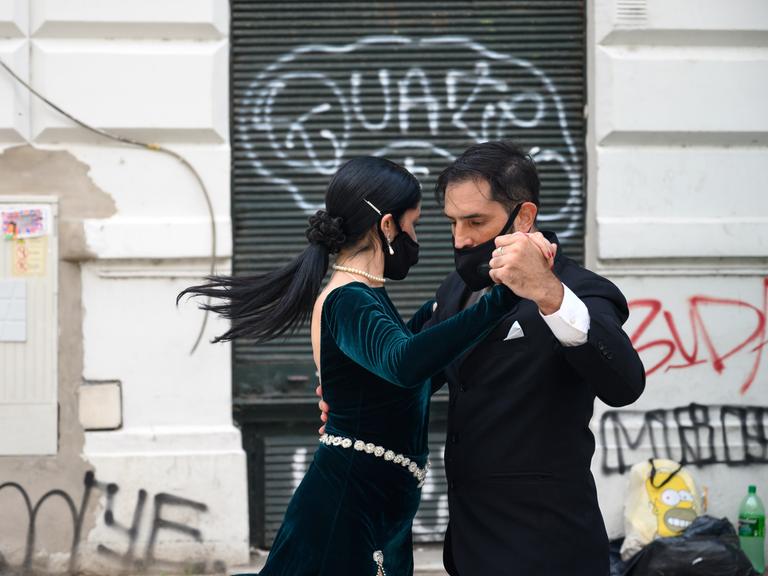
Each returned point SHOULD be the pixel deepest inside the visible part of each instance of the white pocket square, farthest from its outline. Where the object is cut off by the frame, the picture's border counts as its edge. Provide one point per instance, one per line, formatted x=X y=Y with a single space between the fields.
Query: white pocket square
x=516 y=331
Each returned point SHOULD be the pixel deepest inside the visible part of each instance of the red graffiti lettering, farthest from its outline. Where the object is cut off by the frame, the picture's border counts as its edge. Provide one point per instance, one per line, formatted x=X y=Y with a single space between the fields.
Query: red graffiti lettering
x=753 y=342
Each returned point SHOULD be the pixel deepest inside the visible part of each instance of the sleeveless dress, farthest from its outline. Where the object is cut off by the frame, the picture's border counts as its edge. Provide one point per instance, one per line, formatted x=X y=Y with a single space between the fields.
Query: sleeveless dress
x=353 y=511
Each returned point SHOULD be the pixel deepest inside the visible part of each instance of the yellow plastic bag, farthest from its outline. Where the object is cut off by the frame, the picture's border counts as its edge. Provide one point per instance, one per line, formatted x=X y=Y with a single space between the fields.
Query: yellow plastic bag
x=662 y=500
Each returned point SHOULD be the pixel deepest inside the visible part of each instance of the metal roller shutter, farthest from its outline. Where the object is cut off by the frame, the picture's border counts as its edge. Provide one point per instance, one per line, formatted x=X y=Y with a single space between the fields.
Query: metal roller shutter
x=316 y=83
x=286 y=461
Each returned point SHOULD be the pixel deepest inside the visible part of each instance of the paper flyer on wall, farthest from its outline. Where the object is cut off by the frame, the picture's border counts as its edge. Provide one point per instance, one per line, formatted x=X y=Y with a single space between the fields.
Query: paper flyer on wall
x=29 y=257
x=22 y=222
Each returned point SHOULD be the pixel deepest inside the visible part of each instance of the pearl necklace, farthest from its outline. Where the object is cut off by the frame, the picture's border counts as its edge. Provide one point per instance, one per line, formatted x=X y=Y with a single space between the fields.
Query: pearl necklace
x=359 y=272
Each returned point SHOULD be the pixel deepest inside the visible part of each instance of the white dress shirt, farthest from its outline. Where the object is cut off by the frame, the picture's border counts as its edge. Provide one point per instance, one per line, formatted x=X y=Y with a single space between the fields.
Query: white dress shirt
x=569 y=324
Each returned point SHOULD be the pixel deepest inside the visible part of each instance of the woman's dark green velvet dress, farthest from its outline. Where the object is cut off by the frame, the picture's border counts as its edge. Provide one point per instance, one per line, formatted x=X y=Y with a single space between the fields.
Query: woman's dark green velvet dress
x=375 y=371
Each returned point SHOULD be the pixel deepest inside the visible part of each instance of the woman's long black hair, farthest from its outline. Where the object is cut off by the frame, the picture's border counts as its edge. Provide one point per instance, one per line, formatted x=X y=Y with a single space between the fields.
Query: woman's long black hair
x=263 y=307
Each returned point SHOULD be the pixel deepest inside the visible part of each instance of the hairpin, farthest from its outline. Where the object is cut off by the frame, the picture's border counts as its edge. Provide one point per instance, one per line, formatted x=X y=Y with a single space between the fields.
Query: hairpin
x=372 y=206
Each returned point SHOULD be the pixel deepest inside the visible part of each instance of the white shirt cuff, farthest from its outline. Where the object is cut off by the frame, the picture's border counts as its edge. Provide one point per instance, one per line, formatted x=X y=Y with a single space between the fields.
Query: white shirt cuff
x=570 y=324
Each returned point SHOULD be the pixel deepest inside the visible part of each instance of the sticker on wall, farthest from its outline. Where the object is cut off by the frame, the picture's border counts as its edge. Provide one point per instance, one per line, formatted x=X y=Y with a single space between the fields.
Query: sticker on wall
x=29 y=257
x=13 y=310
x=24 y=223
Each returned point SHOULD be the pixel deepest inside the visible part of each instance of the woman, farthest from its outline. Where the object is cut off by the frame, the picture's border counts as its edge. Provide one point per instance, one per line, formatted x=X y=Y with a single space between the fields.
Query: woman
x=353 y=511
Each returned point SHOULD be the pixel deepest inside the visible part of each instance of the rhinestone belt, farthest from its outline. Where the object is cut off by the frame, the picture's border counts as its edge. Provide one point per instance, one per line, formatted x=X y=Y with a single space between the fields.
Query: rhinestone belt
x=380 y=452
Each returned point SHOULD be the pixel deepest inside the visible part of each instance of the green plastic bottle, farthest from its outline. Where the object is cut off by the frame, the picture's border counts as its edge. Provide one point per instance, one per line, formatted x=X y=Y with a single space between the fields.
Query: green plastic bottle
x=752 y=529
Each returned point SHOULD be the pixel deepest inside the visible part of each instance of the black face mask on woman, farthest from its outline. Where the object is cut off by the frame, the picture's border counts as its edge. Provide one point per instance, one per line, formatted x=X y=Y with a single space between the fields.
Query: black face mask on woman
x=472 y=264
x=399 y=255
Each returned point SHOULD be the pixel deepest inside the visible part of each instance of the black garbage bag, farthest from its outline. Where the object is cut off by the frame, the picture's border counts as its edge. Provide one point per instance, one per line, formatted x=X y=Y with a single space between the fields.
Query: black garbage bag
x=614 y=555
x=708 y=547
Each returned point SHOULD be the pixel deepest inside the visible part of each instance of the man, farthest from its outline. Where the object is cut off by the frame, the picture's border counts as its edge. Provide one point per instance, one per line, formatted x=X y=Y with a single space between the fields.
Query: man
x=521 y=497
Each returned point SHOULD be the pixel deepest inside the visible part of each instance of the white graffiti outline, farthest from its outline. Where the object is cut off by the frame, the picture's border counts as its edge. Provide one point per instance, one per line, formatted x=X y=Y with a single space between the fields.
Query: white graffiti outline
x=407 y=102
x=299 y=466
x=297 y=127
x=355 y=82
x=413 y=144
x=262 y=100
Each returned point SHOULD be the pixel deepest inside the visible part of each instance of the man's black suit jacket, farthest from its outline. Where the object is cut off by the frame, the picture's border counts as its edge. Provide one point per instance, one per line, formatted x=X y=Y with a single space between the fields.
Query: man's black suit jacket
x=521 y=497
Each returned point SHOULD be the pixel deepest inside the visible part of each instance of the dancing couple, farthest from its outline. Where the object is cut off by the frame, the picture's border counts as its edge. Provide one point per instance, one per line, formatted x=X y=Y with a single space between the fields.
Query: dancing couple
x=524 y=337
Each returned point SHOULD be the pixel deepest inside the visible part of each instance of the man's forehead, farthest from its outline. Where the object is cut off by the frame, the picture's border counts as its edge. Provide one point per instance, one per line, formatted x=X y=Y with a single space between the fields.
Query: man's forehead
x=470 y=186
x=469 y=197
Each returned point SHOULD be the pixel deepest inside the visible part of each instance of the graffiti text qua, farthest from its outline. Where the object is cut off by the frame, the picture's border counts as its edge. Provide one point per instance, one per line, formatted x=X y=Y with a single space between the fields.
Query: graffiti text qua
x=318 y=105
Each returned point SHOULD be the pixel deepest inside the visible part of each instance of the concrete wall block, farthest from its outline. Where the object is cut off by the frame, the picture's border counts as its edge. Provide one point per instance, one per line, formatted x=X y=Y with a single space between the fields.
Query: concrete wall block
x=199 y=490
x=682 y=237
x=186 y=237
x=641 y=21
x=734 y=15
x=145 y=183
x=14 y=18
x=14 y=98
x=156 y=91
x=666 y=95
x=657 y=182
x=153 y=192
x=710 y=200
x=680 y=130
x=134 y=304
x=198 y=19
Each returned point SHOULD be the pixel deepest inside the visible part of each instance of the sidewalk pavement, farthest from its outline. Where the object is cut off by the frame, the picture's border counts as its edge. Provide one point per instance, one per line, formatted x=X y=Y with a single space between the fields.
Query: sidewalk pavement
x=427 y=558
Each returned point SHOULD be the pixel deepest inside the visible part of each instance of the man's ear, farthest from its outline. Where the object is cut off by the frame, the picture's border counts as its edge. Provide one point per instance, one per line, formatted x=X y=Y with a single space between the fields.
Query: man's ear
x=526 y=217
x=388 y=226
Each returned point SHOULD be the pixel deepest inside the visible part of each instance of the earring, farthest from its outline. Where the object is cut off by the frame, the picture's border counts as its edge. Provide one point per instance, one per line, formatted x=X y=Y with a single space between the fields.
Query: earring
x=389 y=245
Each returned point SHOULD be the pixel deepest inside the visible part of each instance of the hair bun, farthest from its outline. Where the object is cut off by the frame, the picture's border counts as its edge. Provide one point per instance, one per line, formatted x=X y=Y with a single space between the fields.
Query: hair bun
x=325 y=230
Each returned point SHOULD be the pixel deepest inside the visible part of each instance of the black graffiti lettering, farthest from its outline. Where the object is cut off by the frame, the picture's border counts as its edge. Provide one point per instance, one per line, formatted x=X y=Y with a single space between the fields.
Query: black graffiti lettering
x=160 y=523
x=32 y=515
x=687 y=434
x=733 y=420
x=756 y=440
x=748 y=423
x=656 y=424
x=128 y=560
x=30 y=525
x=697 y=436
x=611 y=420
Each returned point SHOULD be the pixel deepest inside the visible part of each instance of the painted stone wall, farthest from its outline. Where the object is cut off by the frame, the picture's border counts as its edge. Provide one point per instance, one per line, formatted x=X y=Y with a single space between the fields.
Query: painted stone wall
x=165 y=486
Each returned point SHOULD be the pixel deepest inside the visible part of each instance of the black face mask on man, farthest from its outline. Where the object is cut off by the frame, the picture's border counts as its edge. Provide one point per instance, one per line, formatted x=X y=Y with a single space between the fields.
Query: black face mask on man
x=472 y=264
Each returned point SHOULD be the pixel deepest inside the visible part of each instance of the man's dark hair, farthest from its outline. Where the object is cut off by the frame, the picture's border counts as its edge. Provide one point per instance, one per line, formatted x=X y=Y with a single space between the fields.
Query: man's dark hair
x=510 y=172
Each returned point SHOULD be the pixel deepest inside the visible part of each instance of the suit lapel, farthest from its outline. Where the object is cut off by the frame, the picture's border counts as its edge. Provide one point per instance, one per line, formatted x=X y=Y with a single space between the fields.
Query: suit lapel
x=450 y=297
x=454 y=370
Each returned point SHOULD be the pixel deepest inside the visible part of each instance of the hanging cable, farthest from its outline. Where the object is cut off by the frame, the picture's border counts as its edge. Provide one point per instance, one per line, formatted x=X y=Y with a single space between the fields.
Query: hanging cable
x=147 y=146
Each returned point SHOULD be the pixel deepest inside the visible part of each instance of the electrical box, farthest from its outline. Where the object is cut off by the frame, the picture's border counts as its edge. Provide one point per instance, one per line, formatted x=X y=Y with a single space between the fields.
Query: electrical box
x=28 y=325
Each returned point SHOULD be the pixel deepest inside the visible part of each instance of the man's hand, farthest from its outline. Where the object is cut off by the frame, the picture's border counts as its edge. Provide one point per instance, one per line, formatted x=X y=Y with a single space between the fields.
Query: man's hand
x=323 y=408
x=523 y=262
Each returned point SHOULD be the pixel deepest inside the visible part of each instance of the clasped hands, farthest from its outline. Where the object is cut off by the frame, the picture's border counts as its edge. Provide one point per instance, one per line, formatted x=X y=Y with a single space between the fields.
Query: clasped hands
x=523 y=262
